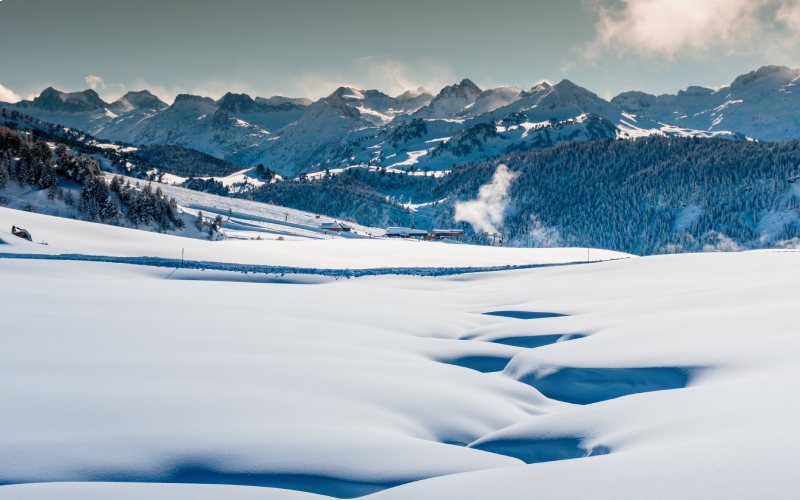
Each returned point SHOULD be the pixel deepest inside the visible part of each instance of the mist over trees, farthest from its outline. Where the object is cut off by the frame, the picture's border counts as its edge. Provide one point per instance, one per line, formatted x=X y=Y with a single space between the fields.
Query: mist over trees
x=646 y=196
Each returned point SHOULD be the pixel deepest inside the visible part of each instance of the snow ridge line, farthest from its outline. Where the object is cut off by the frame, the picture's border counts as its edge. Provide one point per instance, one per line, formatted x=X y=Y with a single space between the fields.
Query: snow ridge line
x=281 y=270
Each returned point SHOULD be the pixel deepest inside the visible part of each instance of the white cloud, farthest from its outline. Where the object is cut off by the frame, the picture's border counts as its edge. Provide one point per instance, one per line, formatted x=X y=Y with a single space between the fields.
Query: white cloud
x=394 y=77
x=486 y=213
x=8 y=95
x=670 y=28
x=372 y=72
x=789 y=15
x=95 y=82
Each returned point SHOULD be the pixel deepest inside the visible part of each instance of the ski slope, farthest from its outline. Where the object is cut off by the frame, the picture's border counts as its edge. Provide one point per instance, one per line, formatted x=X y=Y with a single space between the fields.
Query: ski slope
x=252 y=219
x=660 y=377
x=243 y=219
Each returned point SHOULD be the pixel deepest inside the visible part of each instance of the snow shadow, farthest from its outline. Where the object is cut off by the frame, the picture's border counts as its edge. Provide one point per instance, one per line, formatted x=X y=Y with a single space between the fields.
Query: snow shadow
x=485 y=363
x=524 y=314
x=283 y=279
x=591 y=385
x=534 y=341
x=532 y=451
x=201 y=474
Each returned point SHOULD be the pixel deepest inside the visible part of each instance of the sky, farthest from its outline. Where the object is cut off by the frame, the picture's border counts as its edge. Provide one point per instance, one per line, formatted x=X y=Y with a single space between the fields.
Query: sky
x=309 y=47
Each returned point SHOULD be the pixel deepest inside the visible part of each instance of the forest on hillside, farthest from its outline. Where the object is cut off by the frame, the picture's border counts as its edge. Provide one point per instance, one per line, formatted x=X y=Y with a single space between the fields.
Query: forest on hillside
x=646 y=196
x=75 y=183
x=643 y=196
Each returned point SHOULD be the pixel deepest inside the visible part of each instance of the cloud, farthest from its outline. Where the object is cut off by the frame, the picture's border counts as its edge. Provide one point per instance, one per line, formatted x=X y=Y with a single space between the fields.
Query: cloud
x=108 y=91
x=394 y=77
x=8 y=95
x=670 y=28
x=486 y=213
x=376 y=72
x=789 y=15
x=95 y=82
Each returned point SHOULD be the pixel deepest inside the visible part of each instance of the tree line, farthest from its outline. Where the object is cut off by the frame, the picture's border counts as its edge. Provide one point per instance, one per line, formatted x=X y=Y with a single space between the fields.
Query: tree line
x=32 y=163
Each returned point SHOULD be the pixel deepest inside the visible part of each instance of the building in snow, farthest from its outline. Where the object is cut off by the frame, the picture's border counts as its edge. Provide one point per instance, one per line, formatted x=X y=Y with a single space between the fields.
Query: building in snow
x=337 y=227
x=405 y=232
x=439 y=234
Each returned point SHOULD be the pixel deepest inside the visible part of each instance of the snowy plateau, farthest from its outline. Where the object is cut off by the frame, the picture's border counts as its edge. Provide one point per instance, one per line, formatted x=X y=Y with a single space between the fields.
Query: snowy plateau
x=265 y=369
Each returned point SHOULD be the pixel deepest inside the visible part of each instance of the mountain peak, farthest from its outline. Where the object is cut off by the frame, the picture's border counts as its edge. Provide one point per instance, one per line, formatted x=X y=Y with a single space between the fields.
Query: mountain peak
x=566 y=84
x=695 y=90
x=413 y=93
x=465 y=86
x=568 y=88
x=238 y=103
x=139 y=99
x=541 y=87
x=346 y=92
x=71 y=102
x=189 y=101
x=780 y=73
x=464 y=89
x=451 y=100
x=192 y=98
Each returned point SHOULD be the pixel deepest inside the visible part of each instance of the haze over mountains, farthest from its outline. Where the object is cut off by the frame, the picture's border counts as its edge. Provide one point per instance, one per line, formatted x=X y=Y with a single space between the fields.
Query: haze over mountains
x=462 y=123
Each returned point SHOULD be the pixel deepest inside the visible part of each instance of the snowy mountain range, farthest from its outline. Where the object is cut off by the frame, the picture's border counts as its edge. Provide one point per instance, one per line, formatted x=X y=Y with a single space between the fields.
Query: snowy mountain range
x=761 y=104
x=460 y=124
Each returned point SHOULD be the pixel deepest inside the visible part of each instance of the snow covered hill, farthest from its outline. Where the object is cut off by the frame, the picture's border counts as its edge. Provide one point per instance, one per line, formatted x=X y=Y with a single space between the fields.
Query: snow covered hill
x=261 y=234
x=659 y=377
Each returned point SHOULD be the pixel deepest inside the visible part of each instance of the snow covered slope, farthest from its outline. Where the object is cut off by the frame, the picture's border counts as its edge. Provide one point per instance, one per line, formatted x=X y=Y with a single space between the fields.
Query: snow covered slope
x=303 y=246
x=660 y=378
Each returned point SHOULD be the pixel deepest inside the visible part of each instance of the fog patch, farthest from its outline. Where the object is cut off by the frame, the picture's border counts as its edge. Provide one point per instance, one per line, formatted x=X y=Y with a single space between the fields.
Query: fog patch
x=486 y=213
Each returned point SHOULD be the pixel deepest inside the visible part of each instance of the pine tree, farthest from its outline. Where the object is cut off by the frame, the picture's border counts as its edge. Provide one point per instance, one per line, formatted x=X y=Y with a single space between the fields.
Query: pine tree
x=94 y=203
x=5 y=170
x=215 y=227
x=116 y=184
x=199 y=223
x=23 y=169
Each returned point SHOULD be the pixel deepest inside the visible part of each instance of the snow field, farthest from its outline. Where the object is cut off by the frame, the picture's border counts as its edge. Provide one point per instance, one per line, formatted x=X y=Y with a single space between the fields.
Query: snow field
x=660 y=377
